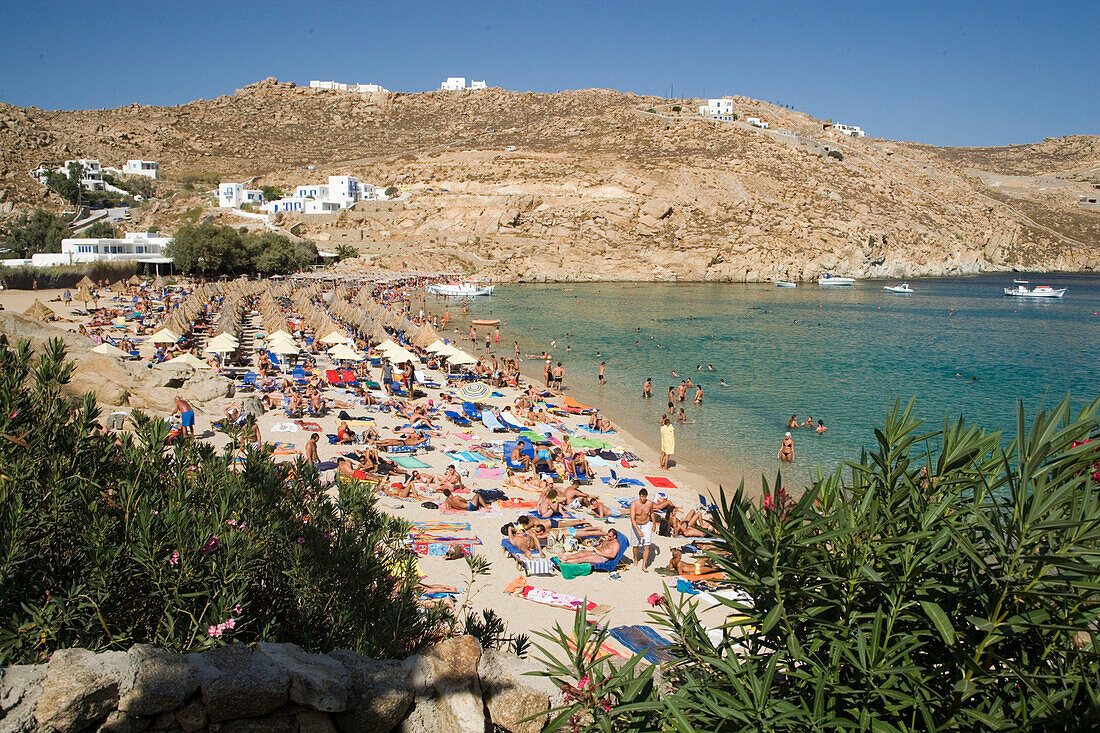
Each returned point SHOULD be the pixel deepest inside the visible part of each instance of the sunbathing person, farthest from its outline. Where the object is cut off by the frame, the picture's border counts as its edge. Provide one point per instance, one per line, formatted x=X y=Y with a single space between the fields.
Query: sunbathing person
x=413 y=439
x=608 y=549
x=524 y=541
x=692 y=525
x=699 y=566
x=548 y=505
x=573 y=493
x=597 y=507
x=451 y=480
x=542 y=527
x=406 y=490
x=519 y=458
x=580 y=468
x=344 y=434
x=459 y=504
x=528 y=483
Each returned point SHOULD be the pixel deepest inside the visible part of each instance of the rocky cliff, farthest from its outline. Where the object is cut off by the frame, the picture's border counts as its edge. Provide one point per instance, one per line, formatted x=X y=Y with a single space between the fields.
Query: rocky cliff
x=600 y=185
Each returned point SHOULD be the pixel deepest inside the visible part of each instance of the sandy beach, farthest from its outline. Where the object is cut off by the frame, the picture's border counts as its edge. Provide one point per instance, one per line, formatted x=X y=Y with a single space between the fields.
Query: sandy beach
x=625 y=598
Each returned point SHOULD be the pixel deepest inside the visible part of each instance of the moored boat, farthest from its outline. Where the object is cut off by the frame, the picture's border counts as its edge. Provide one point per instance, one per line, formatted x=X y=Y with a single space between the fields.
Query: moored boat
x=829 y=281
x=902 y=289
x=459 y=289
x=785 y=284
x=1020 y=289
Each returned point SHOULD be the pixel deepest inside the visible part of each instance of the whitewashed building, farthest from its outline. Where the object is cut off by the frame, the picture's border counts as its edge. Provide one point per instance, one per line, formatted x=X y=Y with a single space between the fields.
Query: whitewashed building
x=458 y=83
x=92 y=179
x=137 y=246
x=849 y=130
x=147 y=168
x=717 y=108
x=342 y=87
x=341 y=192
x=757 y=122
x=232 y=195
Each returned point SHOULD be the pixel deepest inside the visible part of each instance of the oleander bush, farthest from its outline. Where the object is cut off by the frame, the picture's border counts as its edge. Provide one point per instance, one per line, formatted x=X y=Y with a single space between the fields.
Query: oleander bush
x=107 y=542
x=946 y=581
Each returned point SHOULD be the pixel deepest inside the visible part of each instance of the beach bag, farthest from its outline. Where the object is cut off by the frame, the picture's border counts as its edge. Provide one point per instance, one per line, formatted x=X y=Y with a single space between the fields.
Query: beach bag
x=430 y=505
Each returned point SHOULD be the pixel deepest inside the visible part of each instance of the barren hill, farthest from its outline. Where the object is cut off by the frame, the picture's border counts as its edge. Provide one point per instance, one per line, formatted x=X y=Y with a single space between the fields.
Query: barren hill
x=601 y=185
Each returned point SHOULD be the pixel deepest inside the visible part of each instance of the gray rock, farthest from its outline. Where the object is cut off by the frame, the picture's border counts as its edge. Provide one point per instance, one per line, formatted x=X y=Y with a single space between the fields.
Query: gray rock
x=312 y=721
x=192 y=717
x=162 y=681
x=82 y=688
x=236 y=683
x=277 y=722
x=380 y=693
x=19 y=688
x=446 y=687
x=120 y=722
x=511 y=695
x=166 y=721
x=316 y=681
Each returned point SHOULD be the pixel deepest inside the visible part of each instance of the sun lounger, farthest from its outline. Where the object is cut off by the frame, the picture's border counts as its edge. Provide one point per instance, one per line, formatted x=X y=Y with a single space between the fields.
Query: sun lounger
x=334 y=378
x=409 y=450
x=456 y=418
x=525 y=447
x=533 y=566
x=615 y=482
x=610 y=565
x=510 y=421
x=490 y=421
x=471 y=411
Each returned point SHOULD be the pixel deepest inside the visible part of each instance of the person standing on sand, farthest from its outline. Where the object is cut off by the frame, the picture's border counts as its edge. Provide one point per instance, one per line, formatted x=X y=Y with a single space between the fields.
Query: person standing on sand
x=641 y=521
x=187 y=415
x=603 y=365
x=517 y=350
x=446 y=316
x=668 y=441
x=647 y=389
x=496 y=335
x=786 y=451
x=311 y=449
x=546 y=373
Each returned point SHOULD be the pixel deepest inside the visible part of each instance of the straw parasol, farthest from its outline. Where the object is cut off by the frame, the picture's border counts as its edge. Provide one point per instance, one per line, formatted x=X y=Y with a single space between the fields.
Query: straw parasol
x=425 y=335
x=83 y=295
x=40 y=311
x=86 y=282
x=118 y=287
x=134 y=280
x=110 y=350
x=190 y=360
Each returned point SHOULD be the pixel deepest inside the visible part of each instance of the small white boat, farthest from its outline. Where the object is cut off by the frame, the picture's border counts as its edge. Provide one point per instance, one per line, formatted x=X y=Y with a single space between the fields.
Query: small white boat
x=902 y=289
x=785 y=284
x=1020 y=289
x=459 y=289
x=832 y=281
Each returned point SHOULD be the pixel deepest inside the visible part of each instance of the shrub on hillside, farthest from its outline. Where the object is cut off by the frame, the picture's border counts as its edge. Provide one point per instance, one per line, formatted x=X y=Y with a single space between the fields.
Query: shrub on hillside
x=943 y=582
x=836 y=154
x=108 y=543
x=41 y=232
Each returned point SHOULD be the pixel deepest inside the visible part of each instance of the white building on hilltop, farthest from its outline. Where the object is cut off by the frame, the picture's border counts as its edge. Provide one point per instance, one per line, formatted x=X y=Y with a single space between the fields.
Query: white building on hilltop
x=147 y=168
x=717 y=108
x=849 y=130
x=342 y=87
x=92 y=179
x=232 y=195
x=458 y=84
x=341 y=192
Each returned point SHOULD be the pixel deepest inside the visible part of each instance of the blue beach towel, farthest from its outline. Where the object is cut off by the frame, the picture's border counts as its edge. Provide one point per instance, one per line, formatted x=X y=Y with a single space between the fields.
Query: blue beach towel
x=623 y=481
x=643 y=639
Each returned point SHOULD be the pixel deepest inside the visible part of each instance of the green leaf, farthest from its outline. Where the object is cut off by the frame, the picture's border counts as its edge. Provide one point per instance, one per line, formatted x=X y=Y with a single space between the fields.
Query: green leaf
x=940 y=620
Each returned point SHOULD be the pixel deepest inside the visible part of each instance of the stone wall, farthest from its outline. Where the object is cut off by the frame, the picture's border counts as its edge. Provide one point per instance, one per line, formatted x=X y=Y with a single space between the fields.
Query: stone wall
x=454 y=687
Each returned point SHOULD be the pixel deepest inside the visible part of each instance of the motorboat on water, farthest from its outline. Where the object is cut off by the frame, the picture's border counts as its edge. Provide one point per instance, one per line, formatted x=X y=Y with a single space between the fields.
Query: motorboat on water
x=828 y=281
x=459 y=289
x=785 y=284
x=902 y=289
x=1020 y=289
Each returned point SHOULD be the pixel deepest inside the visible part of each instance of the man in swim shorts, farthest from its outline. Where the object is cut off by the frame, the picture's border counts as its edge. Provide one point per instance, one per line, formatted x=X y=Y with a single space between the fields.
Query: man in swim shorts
x=641 y=521
x=187 y=415
x=460 y=504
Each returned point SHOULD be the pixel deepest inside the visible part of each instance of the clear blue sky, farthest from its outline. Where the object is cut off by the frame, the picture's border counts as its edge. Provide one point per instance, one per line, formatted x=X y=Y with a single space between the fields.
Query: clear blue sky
x=951 y=73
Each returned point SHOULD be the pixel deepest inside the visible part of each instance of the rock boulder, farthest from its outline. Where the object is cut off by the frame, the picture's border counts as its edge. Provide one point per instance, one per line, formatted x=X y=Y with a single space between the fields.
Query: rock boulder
x=82 y=688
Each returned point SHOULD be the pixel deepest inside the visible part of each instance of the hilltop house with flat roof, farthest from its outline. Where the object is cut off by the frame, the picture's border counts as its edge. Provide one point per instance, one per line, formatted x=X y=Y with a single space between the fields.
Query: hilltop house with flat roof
x=232 y=195
x=458 y=84
x=342 y=87
x=341 y=192
x=147 y=168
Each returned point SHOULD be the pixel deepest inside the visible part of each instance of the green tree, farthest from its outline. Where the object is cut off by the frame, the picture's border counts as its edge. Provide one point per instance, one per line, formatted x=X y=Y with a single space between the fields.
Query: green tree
x=100 y=230
x=274 y=254
x=207 y=249
x=944 y=582
x=391 y=192
x=42 y=231
x=107 y=544
x=67 y=185
x=346 y=252
x=271 y=193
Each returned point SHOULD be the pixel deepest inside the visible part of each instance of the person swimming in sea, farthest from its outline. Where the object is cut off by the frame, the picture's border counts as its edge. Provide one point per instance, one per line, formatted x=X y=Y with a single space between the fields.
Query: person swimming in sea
x=722 y=382
x=793 y=422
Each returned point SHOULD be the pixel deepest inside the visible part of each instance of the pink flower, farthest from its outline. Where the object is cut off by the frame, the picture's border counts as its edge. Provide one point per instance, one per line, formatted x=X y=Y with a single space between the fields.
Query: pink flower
x=175 y=559
x=301 y=540
x=229 y=624
x=606 y=706
x=214 y=632
x=237 y=609
x=656 y=599
x=584 y=682
x=769 y=504
x=211 y=545
x=231 y=522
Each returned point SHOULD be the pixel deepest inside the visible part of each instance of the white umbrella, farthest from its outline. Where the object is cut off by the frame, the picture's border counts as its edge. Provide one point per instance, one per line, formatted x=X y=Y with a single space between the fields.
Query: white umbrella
x=109 y=350
x=222 y=342
x=460 y=357
x=395 y=353
x=343 y=352
x=164 y=336
x=278 y=334
x=436 y=347
x=190 y=360
x=335 y=338
x=282 y=348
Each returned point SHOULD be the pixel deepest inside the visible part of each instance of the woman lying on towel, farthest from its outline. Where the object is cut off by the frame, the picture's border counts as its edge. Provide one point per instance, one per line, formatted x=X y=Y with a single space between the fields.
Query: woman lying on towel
x=700 y=565
x=692 y=525
x=413 y=438
x=529 y=483
x=344 y=470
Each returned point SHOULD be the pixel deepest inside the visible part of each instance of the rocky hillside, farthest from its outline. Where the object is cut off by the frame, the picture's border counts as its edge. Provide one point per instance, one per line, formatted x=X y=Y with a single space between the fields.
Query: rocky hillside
x=601 y=185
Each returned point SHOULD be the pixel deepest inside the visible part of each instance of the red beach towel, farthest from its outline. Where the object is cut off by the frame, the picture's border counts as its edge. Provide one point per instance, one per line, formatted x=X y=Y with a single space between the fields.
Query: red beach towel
x=660 y=482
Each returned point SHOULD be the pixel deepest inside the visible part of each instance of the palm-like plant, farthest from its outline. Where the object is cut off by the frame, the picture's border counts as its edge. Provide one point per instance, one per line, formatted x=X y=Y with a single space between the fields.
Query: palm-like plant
x=943 y=582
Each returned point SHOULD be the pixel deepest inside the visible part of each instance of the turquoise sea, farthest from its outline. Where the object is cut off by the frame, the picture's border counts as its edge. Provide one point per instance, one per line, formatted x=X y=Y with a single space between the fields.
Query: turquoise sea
x=839 y=354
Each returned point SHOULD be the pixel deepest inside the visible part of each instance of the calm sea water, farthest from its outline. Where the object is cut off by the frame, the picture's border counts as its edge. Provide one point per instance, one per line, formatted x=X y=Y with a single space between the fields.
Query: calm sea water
x=842 y=355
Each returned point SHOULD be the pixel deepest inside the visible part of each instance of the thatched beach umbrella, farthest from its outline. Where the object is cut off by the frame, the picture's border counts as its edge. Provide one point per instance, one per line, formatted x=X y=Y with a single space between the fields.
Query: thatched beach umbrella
x=118 y=287
x=86 y=282
x=84 y=295
x=425 y=335
x=40 y=311
x=110 y=350
x=134 y=280
x=190 y=360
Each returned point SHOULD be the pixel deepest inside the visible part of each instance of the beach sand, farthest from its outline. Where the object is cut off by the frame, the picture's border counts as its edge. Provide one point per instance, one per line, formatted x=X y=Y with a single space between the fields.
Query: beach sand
x=626 y=597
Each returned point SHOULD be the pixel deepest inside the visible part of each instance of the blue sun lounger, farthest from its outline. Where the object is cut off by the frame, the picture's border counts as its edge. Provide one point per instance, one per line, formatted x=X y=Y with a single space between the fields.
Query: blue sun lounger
x=457 y=418
x=610 y=565
x=510 y=421
x=524 y=446
x=490 y=421
x=471 y=411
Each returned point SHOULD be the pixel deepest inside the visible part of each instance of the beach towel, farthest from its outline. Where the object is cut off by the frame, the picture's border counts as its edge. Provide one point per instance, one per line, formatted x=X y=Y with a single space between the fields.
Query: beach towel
x=660 y=482
x=516 y=503
x=588 y=429
x=582 y=442
x=559 y=600
x=310 y=426
x=440 y=526
x=605 y=649
x=410 y=462
x=282 y=451
x=462 y=456
x=570 y=570
x=360 y=423
x=597 y=462
x=465 y=436
x=489 y=473
x=284 y=427
x=326 y=465
x=643 y=639
x=531 y=566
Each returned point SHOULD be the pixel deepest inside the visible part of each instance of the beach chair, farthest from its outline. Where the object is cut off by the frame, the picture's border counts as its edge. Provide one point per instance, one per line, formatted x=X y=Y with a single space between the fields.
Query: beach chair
x=615 y=482
x=457 y=418
x=610 y=565
x=524 y=446
x=334 y=378
x=348 y=376
x=510 y=421
x=407 y=450
x=471 y=411
x=534 y=566
x=490 y=421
